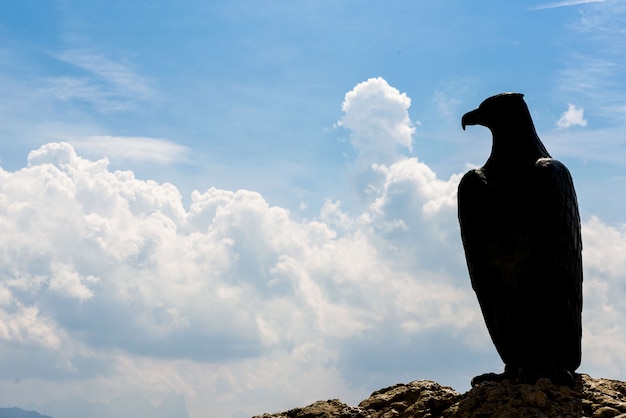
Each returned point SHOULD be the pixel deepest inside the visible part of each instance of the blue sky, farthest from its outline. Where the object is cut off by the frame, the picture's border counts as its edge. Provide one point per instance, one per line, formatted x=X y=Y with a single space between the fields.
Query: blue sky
x=252 y=204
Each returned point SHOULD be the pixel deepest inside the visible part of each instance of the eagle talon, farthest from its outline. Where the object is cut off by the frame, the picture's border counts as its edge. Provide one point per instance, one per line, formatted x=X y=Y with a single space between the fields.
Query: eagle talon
x=488 y=377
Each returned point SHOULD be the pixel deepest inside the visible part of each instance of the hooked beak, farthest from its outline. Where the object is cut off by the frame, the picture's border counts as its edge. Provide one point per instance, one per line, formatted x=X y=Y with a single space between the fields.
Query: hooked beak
x=471 y=118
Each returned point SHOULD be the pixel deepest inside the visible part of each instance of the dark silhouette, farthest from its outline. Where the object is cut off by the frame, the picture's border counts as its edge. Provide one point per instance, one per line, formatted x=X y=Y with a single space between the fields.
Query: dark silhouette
x=521 y=233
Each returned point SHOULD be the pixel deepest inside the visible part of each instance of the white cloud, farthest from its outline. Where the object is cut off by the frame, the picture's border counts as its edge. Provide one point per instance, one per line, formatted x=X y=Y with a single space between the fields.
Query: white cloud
x=564 y=4
x=604 y=336
x=377 y=116
x=117 y=74
x=606 y=248
x=27 y=327
x=105 y=84
x=135 y=148
x=66 y=281
x=573 y=116
x=112 y=264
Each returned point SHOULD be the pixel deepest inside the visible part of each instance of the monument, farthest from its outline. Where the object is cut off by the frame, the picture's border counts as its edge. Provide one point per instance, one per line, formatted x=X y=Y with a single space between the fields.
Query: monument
x=520 y=228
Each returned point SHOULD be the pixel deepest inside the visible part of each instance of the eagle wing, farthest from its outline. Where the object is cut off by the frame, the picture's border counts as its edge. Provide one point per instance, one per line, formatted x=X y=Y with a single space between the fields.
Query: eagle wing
x=559 y=250
x=475 y=207
x=523 y=249
x=472 y=204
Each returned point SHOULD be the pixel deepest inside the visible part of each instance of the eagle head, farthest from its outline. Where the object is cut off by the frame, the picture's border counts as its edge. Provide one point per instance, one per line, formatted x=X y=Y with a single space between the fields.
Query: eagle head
x=514 y=137
x=495 y=110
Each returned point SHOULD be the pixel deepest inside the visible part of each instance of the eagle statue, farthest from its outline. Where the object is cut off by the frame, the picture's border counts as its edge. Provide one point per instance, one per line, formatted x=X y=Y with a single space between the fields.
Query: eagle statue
x=520 y=228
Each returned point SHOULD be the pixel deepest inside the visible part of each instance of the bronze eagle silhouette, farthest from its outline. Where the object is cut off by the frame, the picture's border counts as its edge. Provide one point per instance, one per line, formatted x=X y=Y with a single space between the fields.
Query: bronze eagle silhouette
x=520 y=228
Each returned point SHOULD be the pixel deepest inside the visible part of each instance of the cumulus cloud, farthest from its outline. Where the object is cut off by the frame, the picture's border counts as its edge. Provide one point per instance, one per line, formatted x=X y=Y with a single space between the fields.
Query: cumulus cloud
x=377 y=116
x=109 y=284
x=99 y=267
x=605 y=262
x=573 y=116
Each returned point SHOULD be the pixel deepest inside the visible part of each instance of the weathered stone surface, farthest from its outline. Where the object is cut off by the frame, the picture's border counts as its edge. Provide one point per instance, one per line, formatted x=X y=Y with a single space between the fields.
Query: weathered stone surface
x=593 y=398
x=321 y=409
x=422 y=398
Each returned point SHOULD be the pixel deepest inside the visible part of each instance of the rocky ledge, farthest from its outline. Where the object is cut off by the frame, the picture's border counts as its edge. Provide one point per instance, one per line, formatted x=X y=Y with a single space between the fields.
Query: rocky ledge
x=594 y=398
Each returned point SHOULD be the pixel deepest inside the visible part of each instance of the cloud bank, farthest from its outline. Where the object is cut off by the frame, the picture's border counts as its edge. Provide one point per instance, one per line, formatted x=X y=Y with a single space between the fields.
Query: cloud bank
x=110 y=285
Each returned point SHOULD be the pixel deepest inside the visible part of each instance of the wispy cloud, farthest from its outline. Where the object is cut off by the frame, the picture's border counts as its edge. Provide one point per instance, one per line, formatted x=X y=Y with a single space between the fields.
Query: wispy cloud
x=594 y=70
x=105 y=84
x=133 y=148
x=117 y=74
x=564 y=3
x=597 y=82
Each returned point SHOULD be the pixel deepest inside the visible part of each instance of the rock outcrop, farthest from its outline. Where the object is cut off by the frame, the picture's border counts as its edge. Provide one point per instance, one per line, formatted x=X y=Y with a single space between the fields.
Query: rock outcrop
x=593 y=398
